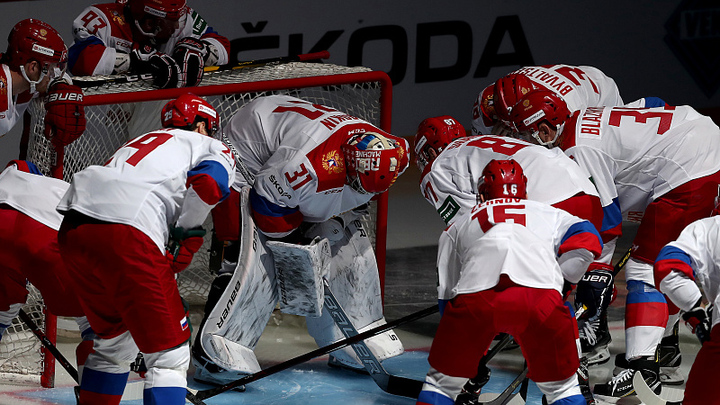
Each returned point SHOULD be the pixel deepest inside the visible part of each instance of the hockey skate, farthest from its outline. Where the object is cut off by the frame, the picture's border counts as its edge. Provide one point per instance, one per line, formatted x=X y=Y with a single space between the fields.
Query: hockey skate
x=595 y=339
x=621 y=385
x=669 y=360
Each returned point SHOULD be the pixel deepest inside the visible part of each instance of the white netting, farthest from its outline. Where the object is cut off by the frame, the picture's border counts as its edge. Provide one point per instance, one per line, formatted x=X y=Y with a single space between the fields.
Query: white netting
x=20 y=358
x=112 y=123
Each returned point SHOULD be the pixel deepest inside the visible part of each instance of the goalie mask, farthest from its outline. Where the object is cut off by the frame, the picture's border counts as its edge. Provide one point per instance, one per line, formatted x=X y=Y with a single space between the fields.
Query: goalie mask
x=372 y=162
x=157 y=20
x=535 y=108
x=508 y=90
x=186 y=110
x=502 y=178
x=433 y=136
x=33 y=40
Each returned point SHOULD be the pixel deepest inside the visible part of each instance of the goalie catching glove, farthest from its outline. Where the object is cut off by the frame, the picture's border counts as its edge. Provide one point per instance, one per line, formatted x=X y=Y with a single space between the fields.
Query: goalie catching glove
x=698 y=321
x=191 y=56
x=65 y=116
x=183 y=244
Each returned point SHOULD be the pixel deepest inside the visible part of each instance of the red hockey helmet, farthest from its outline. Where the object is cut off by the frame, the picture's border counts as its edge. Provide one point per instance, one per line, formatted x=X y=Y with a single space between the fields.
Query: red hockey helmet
x=372 y=162
x=502 y=178
x=485 y=106
x=34 y=40
x=508 y=90
x=537 y=107
x=158 y=19
x=185 y=110
x=433 y=135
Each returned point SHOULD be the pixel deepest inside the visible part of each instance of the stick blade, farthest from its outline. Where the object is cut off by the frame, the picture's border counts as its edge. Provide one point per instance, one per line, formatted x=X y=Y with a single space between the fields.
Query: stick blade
x=647 y=395
x=404 y=387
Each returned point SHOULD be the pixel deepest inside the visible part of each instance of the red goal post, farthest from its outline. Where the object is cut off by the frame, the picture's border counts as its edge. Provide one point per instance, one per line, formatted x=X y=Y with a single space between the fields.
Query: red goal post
x=119 y=112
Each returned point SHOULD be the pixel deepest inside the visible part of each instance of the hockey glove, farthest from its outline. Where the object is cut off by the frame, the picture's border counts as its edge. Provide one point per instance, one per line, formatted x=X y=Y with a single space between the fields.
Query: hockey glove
x=183 y=244
x=165 y=71
x=65 y=116
x=698 y=321
x=190 y=55
x=595 y=290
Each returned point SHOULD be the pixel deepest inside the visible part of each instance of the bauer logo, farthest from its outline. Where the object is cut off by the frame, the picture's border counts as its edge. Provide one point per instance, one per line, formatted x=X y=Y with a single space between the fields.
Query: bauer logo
x=693 y=34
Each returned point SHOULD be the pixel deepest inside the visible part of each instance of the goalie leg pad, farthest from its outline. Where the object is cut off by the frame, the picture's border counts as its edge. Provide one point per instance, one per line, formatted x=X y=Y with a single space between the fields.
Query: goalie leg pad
x=299 y=271
x=353 y=279
x=233 y=327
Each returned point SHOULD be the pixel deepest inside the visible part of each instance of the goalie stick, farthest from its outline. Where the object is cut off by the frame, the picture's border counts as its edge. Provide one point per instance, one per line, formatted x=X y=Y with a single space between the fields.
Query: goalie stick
x=195 y=397
x=396 y=385
x=646 y=395
x=95 y=81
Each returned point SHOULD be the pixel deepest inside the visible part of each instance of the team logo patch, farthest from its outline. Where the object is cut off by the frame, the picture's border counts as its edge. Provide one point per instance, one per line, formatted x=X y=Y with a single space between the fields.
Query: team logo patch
x=692 y=36
x=448 y=210
x=184 y=323
x=332 y=162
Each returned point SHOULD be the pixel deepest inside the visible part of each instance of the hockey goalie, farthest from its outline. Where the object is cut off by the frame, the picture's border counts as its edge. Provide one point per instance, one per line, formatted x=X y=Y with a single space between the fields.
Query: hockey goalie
x=306 y=174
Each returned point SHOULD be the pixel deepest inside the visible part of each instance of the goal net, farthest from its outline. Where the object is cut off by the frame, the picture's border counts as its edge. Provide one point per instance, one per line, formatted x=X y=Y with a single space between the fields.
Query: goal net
x=117 y=113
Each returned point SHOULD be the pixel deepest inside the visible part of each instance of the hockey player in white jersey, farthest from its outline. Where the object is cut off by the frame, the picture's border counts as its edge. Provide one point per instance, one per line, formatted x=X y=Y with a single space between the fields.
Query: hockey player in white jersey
x=33 y=66
x=310 y=170
x=450 y=171
x=662 y=161
x=30 y=252
x=129 y=227
x=691 y=260
x=451 y=163
x=579 y=86
x=501 y=268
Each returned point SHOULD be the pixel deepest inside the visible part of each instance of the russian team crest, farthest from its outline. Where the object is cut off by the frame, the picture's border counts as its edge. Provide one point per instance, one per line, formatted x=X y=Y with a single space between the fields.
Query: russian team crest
x=332 y=162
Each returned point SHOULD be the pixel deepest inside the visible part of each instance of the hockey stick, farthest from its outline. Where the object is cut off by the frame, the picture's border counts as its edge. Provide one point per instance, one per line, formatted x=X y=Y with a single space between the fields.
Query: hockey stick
x=471 y=389
x=646 y=395
x=95 y=81
x=623 y=260
x=396 y=385
x=204 y=394
x=129 y=392
x=49 y=345
x=270 y=61
x=509 y=393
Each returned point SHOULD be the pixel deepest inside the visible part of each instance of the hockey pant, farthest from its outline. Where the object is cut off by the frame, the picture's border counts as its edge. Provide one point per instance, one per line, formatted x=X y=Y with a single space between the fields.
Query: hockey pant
x=107 y=368
x=30 y=252
x=233 y=327
x=705 y=373
x=647 y=310
x=537 y=318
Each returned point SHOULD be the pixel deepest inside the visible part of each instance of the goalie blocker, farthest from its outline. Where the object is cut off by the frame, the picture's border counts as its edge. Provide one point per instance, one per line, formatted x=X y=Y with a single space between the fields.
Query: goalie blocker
x=223 y=350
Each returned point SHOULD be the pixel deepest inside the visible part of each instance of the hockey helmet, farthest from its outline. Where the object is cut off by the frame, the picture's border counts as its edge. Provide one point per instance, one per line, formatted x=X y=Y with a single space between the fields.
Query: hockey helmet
x=502 y=178
x=433 y=136
x=508 y=90
x=537 y=107
x=158 y=19
x=34 y=40
x=185 y=110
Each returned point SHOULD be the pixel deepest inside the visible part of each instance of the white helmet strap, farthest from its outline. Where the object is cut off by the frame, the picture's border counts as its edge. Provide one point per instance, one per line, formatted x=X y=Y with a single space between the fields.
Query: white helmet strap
x=33 y=84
